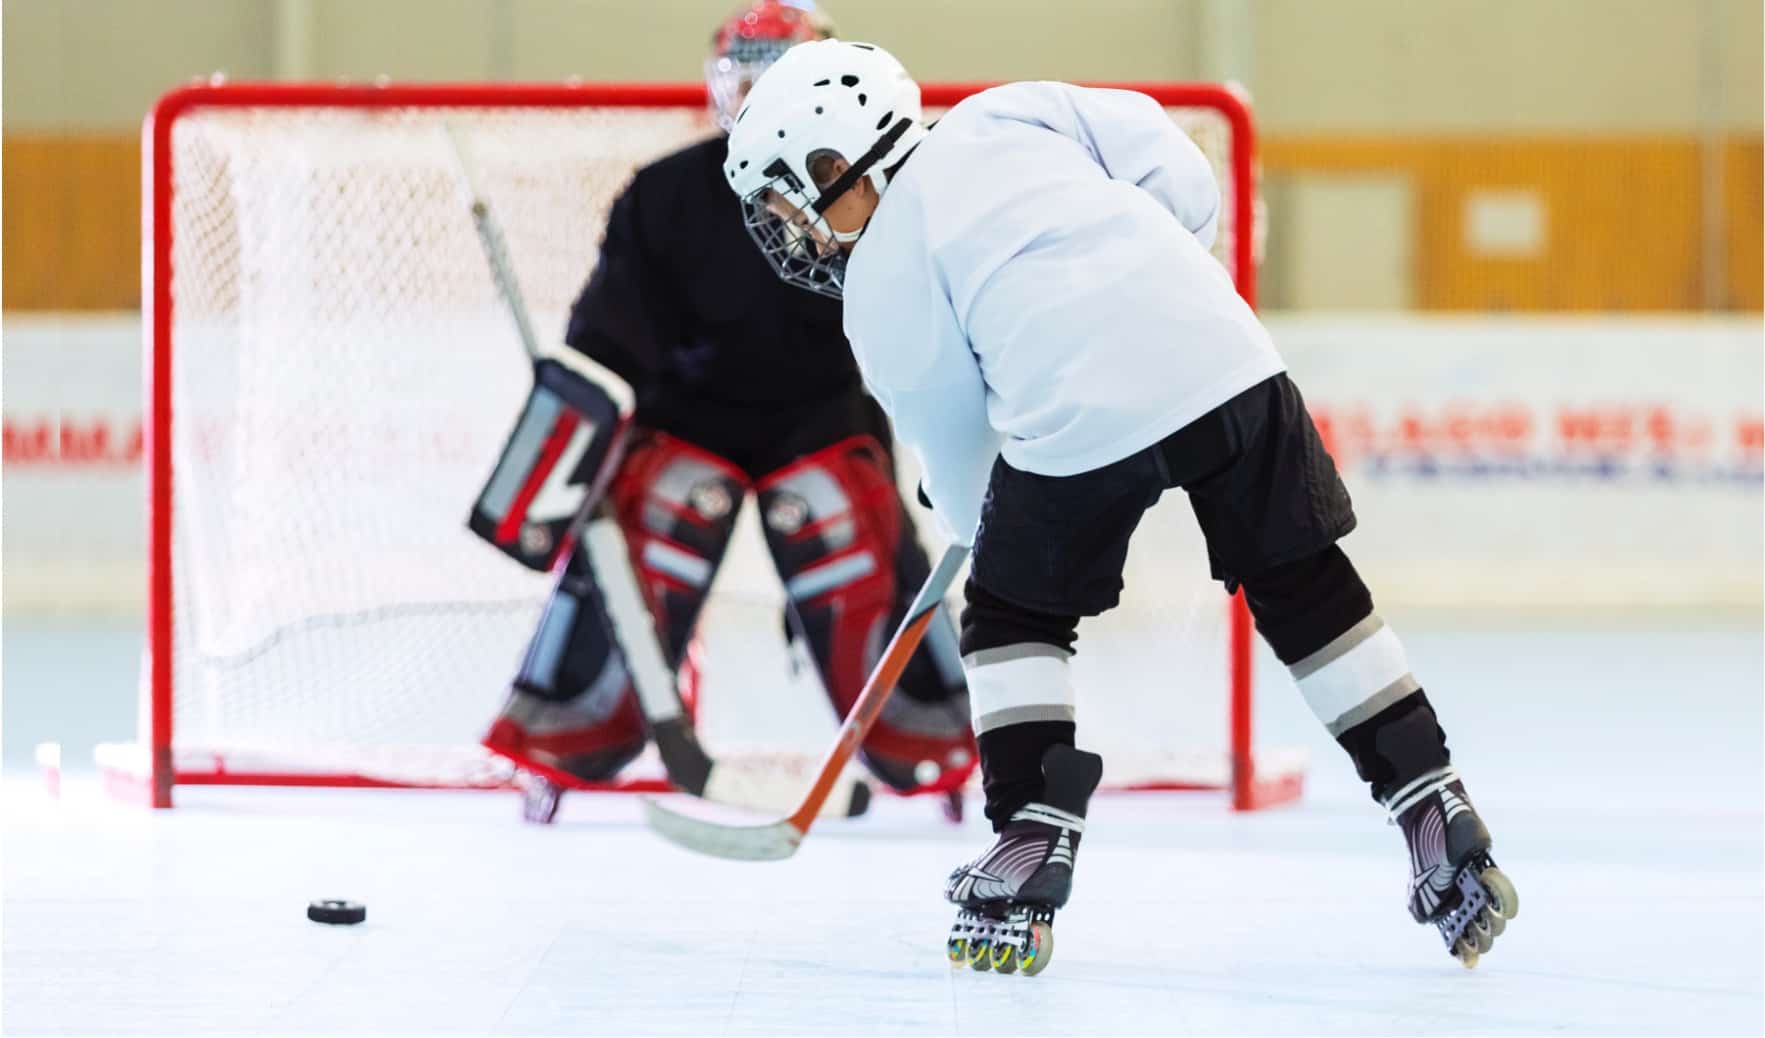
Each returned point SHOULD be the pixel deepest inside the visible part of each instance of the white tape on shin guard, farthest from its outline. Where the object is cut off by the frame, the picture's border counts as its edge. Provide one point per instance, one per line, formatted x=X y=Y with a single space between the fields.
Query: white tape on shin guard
x=1360 y=673
x=1018 y=683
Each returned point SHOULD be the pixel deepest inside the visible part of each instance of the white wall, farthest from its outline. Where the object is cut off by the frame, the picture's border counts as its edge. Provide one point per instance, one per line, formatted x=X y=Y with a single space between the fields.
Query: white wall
x=74 y=517
x=1544 y=463
x=1500 y=464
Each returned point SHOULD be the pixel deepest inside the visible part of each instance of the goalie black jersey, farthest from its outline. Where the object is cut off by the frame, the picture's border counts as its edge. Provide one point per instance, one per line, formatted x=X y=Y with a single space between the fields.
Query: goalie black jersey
x=720 y=351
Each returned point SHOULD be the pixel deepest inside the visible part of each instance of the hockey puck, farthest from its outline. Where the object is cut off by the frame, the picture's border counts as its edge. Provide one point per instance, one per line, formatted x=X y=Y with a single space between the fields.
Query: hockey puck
x=336 y=913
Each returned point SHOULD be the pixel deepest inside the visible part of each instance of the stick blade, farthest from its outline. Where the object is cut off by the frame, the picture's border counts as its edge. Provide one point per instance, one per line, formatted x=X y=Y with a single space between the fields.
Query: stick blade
x=774 y=785
x=774 y=841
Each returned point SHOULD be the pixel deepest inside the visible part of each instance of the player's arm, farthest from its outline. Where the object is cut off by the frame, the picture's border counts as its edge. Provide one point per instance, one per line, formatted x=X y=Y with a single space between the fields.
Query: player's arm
x=566 y=442
x=932 y=389
x=1134 y=140
x=625 y=315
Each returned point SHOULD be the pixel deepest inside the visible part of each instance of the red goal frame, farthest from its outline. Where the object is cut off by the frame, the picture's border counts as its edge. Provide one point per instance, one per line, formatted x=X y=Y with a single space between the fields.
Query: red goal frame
x=152 y=782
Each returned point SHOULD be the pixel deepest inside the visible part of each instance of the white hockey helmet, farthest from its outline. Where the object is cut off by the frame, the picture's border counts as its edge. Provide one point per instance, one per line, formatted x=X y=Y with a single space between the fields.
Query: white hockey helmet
x=853 y=100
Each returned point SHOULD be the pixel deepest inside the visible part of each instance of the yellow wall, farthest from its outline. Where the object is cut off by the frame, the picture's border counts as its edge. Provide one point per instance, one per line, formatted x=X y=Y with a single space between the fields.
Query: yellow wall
x=1373 y=66
x=1434 y=66
x=79 y=65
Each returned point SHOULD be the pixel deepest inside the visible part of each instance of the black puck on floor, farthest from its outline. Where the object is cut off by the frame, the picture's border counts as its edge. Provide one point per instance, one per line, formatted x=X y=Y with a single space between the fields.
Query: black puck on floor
x=345 y=913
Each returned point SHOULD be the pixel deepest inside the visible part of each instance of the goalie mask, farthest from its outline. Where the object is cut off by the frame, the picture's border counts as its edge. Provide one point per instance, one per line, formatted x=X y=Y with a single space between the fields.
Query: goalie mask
x=748 y=43
x=822 y=100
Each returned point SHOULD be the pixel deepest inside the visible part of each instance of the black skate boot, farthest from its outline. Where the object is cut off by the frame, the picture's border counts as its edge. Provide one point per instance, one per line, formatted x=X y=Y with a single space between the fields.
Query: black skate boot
x=1454 y=883
x=1008 y=895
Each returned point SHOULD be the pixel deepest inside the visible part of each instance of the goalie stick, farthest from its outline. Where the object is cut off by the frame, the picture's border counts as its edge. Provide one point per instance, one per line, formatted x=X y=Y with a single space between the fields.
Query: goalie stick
x=773 y=841
x=760 y=786
x=687 y=764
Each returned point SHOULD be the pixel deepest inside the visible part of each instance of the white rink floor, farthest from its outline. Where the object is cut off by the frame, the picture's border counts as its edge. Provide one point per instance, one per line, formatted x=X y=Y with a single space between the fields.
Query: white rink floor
x=1620 y=770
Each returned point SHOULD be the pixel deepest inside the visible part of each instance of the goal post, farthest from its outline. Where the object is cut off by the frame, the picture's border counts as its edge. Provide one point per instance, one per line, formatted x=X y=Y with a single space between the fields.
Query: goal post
x=325 y=383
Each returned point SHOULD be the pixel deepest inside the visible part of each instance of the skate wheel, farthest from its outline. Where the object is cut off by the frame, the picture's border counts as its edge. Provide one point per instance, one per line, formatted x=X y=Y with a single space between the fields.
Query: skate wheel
x=1480 y=932
x=958 y=950
x=978 y=957
x=1041 y=949
x=1466 y=952
x=1503 y=898
x=1004 y=958
x=1496 y=921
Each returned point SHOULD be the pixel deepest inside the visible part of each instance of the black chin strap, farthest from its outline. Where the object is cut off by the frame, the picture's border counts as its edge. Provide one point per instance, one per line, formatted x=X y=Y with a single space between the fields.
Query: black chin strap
x=857 y=169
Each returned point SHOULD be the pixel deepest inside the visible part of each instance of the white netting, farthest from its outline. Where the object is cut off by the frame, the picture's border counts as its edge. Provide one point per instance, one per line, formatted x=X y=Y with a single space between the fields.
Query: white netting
x=343 y=379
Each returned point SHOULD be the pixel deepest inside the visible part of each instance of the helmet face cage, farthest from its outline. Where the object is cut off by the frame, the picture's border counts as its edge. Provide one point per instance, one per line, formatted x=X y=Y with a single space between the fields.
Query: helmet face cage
x=811 y=105
x=747 y=44
x=728 y=76
x=795 y=239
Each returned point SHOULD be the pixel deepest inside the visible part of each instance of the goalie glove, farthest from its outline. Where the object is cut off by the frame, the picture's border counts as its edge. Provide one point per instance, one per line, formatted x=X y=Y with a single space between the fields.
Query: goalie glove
x=564 y=448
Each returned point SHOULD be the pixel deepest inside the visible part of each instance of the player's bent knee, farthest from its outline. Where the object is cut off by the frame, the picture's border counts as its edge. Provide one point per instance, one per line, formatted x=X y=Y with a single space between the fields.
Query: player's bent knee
x=990 y=621
x=1317 y=614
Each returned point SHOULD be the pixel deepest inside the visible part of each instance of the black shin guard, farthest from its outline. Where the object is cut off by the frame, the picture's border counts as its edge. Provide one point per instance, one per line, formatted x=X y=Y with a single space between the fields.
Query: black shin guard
x=572 y=653
x=1011 y=755
x=1304 y=608
x=1011 y=764
x=1399 y=743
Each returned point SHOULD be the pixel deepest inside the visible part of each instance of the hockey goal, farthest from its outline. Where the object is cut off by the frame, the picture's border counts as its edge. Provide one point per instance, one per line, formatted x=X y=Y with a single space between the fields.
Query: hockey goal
x=330 y=378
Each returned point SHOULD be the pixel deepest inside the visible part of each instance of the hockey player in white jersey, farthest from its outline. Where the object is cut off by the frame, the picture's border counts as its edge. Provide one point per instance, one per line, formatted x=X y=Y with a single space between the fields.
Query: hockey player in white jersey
x=1029 y=294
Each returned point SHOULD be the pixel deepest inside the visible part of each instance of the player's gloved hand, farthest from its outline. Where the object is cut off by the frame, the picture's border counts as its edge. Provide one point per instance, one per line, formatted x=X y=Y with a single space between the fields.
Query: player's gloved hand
x=537 y=490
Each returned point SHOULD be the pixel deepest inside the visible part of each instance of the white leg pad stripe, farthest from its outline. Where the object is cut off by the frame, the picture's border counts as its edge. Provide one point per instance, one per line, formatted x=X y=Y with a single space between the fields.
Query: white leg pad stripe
x=683 y=566
x=830 y=575
x=1358 y=683
x=1026 y=687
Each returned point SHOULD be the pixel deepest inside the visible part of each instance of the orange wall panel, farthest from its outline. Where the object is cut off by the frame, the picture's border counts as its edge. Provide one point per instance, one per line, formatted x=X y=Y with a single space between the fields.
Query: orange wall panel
x=1623 y=217
x=1743 y=205
x=72 y=231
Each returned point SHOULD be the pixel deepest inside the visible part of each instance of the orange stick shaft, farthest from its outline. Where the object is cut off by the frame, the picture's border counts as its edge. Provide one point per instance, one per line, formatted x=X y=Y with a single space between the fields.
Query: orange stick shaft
x=878 y=688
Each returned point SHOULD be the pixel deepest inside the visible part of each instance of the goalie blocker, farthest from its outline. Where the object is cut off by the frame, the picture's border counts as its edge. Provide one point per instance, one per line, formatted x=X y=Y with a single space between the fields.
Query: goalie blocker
x=564 y=447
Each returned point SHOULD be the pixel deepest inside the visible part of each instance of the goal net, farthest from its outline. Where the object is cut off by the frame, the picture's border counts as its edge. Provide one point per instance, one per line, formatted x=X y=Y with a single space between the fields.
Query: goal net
x=332 y=375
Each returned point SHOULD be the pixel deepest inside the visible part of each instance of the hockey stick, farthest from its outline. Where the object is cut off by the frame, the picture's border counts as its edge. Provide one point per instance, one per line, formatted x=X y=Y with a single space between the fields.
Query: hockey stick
x=688 y=766
x=776 y=840
x=496 y=247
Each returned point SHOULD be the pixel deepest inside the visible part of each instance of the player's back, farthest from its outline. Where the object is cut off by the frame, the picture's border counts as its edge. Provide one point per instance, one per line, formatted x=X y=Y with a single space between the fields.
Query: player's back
x=1096 y=315
x=1011 y=186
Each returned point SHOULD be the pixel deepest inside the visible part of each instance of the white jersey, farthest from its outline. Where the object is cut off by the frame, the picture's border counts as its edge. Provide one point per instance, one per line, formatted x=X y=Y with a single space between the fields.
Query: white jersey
x=1037 y=281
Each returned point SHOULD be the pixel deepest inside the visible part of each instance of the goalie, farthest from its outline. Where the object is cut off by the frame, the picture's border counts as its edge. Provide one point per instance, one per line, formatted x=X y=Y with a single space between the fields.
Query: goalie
x=742 y=385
